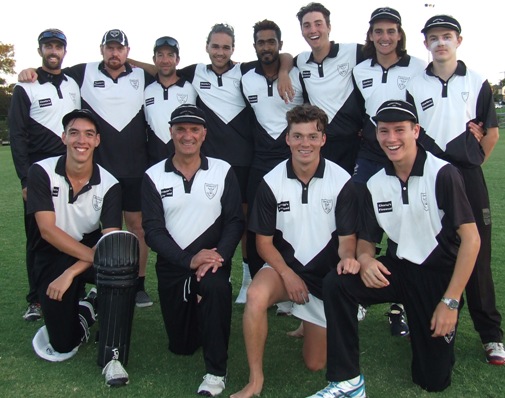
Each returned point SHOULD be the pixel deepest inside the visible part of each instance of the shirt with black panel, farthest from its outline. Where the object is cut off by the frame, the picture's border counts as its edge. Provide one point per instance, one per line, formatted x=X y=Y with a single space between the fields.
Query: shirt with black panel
x=433 y=201
x=376 y=85
x=329 y=86
x=159 y=103
x=270 y=110
x=229 y=121
x=445 y=108
x=35 y=116
x=305 y=220
x=82 y=215
x=118 y=105
x=180 y=217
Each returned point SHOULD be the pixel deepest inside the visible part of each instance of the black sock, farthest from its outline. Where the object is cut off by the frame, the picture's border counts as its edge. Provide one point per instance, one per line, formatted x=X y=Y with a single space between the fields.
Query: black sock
x=140 y=283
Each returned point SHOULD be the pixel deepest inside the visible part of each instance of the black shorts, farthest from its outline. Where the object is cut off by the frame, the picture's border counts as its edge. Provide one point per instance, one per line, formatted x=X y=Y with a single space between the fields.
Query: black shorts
x=242 y=174
x=130 y=189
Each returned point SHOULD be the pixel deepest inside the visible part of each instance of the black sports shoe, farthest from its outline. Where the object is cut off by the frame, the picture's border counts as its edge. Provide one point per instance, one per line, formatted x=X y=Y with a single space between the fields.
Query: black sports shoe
x=397 y=322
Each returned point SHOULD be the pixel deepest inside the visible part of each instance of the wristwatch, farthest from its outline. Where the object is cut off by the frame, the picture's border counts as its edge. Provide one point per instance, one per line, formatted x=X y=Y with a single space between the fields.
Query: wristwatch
x=453 y=304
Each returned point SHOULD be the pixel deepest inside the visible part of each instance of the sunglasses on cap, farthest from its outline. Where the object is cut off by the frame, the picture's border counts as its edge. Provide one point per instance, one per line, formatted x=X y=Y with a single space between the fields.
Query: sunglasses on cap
x=53 y=34
x=166 y=41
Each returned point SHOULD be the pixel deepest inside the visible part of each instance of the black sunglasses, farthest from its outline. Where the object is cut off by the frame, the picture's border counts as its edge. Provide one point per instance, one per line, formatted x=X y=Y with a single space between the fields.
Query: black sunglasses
x=53 y=34
x=166 y=41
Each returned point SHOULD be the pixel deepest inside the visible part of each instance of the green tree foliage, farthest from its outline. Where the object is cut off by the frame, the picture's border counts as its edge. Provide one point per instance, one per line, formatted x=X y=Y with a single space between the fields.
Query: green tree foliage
x=7 y=64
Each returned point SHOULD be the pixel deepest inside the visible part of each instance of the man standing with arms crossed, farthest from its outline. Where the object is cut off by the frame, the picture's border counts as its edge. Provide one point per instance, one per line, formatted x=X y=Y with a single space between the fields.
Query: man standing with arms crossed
x=453 y=102
x=35 y=130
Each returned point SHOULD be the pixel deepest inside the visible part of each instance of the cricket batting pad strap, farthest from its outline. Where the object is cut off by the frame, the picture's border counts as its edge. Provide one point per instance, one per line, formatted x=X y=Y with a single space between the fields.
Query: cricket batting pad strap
x=117 y=268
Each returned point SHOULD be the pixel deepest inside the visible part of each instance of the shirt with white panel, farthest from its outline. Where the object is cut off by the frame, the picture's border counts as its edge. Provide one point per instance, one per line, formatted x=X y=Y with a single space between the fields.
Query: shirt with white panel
x=82 y=215
x=182 y=217
x=35 y=116
x=376 y=85
x=270 y=110
x=305 y=220
x=159 y=103
x=228 y=119
x=433 y=201
x=444 y=109
x=118 y=104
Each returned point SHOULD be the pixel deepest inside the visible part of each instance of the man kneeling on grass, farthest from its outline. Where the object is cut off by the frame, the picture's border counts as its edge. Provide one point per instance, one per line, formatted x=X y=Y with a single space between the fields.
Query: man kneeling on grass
x=419 y=201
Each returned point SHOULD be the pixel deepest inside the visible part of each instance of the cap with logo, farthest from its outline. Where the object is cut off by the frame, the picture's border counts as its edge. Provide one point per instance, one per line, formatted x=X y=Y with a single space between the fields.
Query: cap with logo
x=52 y=35
x=396 y=111
x=187 y=113
x=81 y=114
x=441 y=21
x=386 y=13
x=115 y=35
x=166 y=41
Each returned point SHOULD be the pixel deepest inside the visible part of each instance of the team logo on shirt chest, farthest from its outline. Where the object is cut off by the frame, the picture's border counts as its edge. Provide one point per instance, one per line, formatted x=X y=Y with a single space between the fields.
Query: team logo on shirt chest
x=327 y=205
x=385 y=207
x=135 y=83
x=182 y=98
x=283 y=206
x=210 y=190
x=343 y=69
x=465 y=95
x=424 y=201
x=97 y=203
x=43 y=103
x=402 y=82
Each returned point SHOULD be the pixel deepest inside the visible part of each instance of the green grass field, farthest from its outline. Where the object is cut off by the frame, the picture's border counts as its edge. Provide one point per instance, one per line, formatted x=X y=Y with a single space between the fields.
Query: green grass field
x=154 y=372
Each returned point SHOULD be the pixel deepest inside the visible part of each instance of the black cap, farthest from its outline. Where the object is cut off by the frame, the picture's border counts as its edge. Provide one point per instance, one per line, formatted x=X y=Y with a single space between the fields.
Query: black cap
x=396 y=111
x=115 y=35
x=187 y=113
x=166 y=41
x=386 y=13
x=80 y=114
x=51 y=35
x=441 y=21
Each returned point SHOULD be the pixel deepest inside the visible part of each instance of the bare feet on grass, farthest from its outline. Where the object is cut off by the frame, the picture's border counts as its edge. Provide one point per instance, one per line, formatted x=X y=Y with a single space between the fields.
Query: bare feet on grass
x=298 y=333
x=252 y=389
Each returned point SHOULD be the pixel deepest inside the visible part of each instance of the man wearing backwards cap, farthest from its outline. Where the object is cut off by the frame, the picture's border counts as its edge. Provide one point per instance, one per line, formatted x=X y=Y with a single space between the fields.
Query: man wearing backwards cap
x=34 y=119
x=415 y=191
x=456 y=109
x=194 y=258
x=163 y=96
x=114 y=92
x=383 y=75
x=69 y=229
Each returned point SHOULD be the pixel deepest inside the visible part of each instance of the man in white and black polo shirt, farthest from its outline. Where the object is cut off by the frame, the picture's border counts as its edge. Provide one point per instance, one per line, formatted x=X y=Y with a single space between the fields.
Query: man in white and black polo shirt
x=304 y=217
x=327 y=73
x=191 y=207
x=34 y=119
x=260 y=88
x=162 y=97
x=427 y=272
x=74 y=201
x=454 y=103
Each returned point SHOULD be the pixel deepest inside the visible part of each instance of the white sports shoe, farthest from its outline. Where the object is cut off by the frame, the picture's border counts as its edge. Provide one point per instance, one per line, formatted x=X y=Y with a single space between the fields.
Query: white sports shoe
x=212 y=385
x=45 y=350
x=115 y=374
x=353 y=388
x=246 y=281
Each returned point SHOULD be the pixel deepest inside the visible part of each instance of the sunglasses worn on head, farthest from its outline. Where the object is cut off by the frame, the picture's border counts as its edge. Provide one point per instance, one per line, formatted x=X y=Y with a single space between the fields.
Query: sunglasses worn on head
x=166 y=41
x=51 y=34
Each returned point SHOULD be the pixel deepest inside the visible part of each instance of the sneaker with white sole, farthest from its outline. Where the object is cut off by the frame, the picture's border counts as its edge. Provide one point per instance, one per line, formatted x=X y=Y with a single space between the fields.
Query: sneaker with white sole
x=33 y=312
x=45 y=350
x=115 y=374
x=212 y=385
x=142 y=299
x=495 y=354
x=353 y=388
x=246 y=281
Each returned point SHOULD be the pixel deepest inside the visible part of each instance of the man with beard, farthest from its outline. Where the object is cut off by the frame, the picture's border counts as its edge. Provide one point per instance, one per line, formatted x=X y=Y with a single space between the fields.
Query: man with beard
x=163 y=96
x=114 y=92
x=260 y=88
x=35 y=130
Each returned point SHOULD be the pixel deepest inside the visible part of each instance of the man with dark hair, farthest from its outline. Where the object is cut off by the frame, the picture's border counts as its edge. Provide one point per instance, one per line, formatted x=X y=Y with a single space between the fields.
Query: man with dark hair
x=454 y=103
x=260 y=88
x=327 y=73
x=194 y=258
x=415 y=191
x=304 y=217
x=34 y=120
x=162 y=97
x=74 y=201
